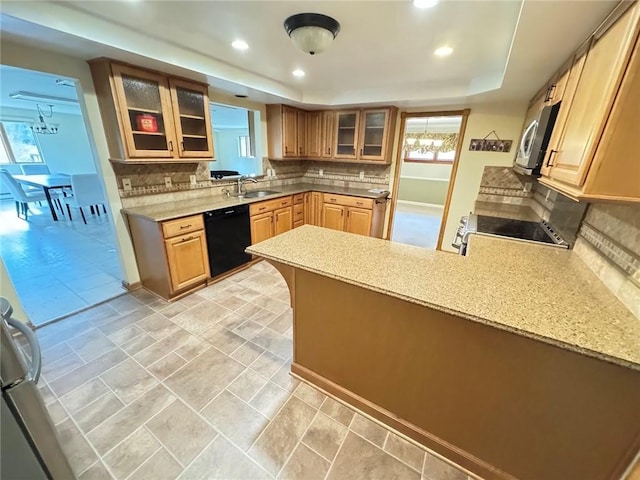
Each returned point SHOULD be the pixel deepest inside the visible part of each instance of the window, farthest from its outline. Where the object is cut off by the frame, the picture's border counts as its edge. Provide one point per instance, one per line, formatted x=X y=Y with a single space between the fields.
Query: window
x=244 y=146
x=430 y=147
x=18 y=144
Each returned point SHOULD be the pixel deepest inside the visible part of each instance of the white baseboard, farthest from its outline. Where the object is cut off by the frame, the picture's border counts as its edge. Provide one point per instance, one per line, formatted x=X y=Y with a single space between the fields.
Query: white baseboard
x=421 y=204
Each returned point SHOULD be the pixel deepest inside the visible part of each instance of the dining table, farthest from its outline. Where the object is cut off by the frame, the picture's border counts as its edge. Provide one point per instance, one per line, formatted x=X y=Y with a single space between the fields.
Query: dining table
x=47 y=183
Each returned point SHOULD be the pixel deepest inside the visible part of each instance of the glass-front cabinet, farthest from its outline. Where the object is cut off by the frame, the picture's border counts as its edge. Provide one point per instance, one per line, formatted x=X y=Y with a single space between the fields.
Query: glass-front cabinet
x=346 y=134
x=373 y=134
x=150 y=116
x=145 y=108
x=192 y=118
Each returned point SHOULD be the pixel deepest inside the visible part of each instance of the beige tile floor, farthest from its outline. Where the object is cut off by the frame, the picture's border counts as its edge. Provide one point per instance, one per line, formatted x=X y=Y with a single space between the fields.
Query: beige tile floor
x=200 y=389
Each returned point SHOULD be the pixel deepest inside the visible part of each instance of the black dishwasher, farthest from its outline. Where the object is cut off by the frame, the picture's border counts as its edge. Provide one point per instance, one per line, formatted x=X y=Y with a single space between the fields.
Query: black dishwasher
x=228 y=234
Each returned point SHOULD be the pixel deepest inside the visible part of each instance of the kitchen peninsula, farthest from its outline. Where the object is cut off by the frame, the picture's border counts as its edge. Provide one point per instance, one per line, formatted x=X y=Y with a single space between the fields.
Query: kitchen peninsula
x=513 y=362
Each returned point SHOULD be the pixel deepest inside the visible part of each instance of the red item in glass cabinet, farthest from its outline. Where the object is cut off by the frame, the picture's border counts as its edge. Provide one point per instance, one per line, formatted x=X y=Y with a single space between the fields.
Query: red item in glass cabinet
x=147 y=123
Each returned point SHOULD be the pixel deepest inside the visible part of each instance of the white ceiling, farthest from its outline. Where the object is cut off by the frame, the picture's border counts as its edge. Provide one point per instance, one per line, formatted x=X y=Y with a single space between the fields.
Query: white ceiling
x=19 y=79
x=224 y=117
x=503 y=50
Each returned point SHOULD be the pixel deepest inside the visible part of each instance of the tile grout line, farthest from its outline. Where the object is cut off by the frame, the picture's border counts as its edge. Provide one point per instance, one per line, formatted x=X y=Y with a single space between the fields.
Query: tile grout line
x=162 y=445
x=140 y=466
x=299 y=442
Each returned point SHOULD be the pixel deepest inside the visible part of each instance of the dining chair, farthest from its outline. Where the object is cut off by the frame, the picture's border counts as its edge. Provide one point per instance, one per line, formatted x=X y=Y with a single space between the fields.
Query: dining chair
x=35 y=169
x=21 y=197
x=87 y=192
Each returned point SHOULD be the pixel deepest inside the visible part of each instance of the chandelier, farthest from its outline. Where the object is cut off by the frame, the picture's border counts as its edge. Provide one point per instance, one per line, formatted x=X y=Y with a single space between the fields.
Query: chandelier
x=42 y=127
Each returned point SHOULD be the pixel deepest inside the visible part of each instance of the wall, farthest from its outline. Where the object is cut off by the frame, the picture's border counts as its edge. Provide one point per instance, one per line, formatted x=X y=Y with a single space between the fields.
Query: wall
x=23 y=56
x=227 y=154
x=609 y=243
x=507 y=121
x=69 y=150
x=9 y=292
x=424 y=182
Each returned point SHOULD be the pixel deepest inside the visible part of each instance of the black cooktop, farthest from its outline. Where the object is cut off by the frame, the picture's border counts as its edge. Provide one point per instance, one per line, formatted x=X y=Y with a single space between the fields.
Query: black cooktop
x=507 y=227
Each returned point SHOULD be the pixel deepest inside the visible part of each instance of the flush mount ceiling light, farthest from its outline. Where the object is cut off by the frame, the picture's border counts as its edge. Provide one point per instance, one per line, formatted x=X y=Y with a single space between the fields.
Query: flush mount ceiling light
x=240 y=45
x=298 y=73
x=443 y=51
x=425 y=3
x=311 y=32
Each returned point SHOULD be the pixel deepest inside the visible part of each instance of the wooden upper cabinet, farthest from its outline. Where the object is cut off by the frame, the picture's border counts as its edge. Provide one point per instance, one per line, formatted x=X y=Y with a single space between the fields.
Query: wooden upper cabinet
x=346 y=134
x=374 y=133
x=595 y=157
x=567 y=82
x=149 y=115
x=327 y=133
x=289 y=131
x=314 y=134
x=301 y=126
x=596 y=90
x=145 y=108
x=192 y=118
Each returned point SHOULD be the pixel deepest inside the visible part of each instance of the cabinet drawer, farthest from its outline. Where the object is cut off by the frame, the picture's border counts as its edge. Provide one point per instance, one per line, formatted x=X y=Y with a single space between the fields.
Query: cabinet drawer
x=182 y=225
x=298 y=212
x=348 y=201
x=269 y=205
x=298 y=198
x=298 y=223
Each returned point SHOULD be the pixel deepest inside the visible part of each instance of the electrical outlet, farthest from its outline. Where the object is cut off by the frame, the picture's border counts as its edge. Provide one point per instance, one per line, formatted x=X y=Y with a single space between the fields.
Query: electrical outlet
x=528 y=186
x=321 y=172
x=192 y=179
x=167 y=182
x=126 y=184
x=361 y=174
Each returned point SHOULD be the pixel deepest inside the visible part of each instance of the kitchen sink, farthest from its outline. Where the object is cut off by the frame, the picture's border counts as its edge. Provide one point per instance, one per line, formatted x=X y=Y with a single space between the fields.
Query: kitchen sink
x=259 y=193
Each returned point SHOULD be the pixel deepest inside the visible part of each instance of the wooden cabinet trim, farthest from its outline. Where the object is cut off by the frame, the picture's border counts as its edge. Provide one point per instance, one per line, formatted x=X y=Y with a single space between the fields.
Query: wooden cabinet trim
x=198 y=260
x=174 y=84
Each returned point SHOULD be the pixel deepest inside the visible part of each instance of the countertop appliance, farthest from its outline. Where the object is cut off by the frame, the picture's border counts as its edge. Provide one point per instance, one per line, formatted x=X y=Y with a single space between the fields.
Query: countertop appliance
x=29 y=443
x=228 y=234
x=535 y=140
x=536 y=232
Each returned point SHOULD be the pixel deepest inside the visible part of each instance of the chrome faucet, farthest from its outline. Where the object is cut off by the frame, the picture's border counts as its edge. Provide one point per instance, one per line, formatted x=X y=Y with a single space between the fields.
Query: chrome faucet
x=242 y=180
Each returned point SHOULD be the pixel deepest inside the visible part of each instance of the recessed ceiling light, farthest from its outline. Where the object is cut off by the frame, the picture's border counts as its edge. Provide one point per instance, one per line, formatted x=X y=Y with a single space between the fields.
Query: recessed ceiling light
x=443 y=51
x=298 y=73
x=240 y=45
x=240 y=96
x=425 y=3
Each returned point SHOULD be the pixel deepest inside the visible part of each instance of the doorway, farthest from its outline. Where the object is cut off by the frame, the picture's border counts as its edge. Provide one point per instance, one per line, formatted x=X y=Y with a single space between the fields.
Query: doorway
x=57 y=263
x=427 y=160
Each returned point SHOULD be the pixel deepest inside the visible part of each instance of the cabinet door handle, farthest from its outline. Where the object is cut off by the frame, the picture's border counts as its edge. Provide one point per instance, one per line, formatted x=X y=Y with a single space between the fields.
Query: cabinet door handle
x=262 y=208
x=183 y=240
x=300 y=150
x=358 y=203
x=182 y=227
x=171 y=145
x=550 y=93
x=362 y=152
x=283 y=203
x=549 y=164
x=329 y=150
x=182 y=146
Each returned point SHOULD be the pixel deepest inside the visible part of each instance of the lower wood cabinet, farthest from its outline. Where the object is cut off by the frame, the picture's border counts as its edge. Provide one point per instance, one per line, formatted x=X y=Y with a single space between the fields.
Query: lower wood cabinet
x=172 y=255
x=363 y=216
x=271 y=217
x=313 y=208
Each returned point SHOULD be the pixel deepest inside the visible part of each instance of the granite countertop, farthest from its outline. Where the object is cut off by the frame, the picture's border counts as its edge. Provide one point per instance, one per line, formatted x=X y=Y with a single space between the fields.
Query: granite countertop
x=506 y=210
x=533 y=290
x=170 y=210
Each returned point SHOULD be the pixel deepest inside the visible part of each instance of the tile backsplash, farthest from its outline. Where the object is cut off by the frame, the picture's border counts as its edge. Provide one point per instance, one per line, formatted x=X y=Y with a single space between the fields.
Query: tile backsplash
x=609 y=243
x=148 y=185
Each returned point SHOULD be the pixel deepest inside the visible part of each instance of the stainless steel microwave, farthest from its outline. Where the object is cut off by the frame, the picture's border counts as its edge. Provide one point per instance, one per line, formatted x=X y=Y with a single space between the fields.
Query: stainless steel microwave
x=535 y=140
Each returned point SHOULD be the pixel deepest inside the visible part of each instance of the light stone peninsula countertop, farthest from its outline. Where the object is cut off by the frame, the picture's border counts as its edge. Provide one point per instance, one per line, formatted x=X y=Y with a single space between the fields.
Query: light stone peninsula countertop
x=541 y=292
x=170 y=210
